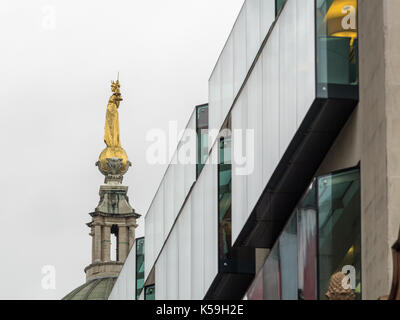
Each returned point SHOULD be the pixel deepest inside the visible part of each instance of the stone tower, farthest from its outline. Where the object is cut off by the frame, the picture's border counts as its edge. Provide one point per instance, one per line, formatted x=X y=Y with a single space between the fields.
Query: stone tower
x=113 y=216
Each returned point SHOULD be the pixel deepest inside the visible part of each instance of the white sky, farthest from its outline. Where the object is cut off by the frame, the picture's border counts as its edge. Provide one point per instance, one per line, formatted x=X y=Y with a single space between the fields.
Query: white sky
x=54 y=88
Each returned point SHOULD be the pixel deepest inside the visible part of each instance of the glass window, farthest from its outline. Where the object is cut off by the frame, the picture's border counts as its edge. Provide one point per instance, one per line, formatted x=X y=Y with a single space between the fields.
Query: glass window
x=139 y=266
x=280 y=269
x=288 y=260
x=279 y=4
x=256 y=291
x=231 y=260
x=272 y=276
x=322 y=237
x=202 y=136
x=339 y=228
x=307 y=245
x=149 y=292
x=224 y=203
x=337 y=48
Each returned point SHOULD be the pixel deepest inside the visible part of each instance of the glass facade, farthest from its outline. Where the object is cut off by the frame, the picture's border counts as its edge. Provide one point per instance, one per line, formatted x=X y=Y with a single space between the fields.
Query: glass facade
x=307 y=245
x=279 y=5
x=149 y=292
x=139 y=266
x=224 y=204
x=337 y=48
x=230 y=260
x=322 y=237
x=339 y=228
x=202 y=136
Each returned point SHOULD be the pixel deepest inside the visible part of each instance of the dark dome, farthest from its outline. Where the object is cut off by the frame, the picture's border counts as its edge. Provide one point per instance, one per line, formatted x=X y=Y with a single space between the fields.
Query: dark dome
x=96 y=289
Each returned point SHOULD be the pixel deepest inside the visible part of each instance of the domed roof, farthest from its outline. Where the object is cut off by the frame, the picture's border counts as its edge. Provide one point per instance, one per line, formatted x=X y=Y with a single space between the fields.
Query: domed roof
x=96 y=289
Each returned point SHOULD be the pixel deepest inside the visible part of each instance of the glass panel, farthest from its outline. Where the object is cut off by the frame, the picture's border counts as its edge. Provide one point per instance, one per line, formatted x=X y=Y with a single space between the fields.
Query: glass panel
x=339 y=227
x=202 y=136
x=139 y=266
x=279 y=5
x=224 y=204
x=252 y=30
x=272 y=276
x=307 y=245
x=149 y=293
x=256 y=290
x=288 y=260
x=337 y=48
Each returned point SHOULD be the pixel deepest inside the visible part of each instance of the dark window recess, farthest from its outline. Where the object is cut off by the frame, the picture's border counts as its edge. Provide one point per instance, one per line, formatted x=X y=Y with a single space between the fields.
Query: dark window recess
x=202 y=136
x=139 y=266
x=231 y=260
x=337 y=48
x=339 y=228
x=150 y=292
x=278 y=5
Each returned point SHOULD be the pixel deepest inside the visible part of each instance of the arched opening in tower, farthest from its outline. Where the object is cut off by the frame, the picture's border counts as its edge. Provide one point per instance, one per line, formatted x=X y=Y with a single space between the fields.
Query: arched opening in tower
x=114 y=243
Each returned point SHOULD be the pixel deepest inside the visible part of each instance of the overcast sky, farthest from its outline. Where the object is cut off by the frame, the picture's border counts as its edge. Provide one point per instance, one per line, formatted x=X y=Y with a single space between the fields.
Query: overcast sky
x=56 y=60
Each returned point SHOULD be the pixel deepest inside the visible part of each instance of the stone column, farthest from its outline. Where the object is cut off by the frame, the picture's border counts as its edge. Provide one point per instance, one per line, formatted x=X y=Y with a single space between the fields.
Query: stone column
x=380 y=119
x=123 y=243
x=92 y=235
x=106 y=243
x=131 y=231
x=97 y=243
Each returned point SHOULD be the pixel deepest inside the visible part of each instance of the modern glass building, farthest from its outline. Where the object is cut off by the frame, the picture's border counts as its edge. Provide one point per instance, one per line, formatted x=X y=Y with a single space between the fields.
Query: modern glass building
x=295 y=165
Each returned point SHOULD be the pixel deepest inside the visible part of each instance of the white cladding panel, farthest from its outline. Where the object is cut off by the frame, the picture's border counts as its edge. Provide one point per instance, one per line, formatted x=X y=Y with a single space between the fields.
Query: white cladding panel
x=241 y=48
x=184 y=230
x=189 y=146
x=227 y=77
x=305 y=58
x=209 y=183
x=157 y=209
x=252 y=30
x=172 y=255
x=197 y=240
x=271 y=104
x=239 y=51
x=149 y=242
x=188 y=262
x=170 y=196
x=287 y=64
x=125 y=286
x=239 y=177
x=254 y=124
x=169 y=205
x=287 y=89
x=267 y=8
x=215 y=99
x=160 y=276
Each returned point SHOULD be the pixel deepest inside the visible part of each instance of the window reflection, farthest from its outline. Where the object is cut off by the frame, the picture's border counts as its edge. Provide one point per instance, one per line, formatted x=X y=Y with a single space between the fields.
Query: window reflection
x=139 y=266
x=339 y=227
x=337 y=48
x=307 y=245
x=225 y=202
x=322 y=237
x=149 y=292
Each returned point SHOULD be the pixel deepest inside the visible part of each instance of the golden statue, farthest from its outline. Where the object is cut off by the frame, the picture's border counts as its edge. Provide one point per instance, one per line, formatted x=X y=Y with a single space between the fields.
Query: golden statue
x=111 y=129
